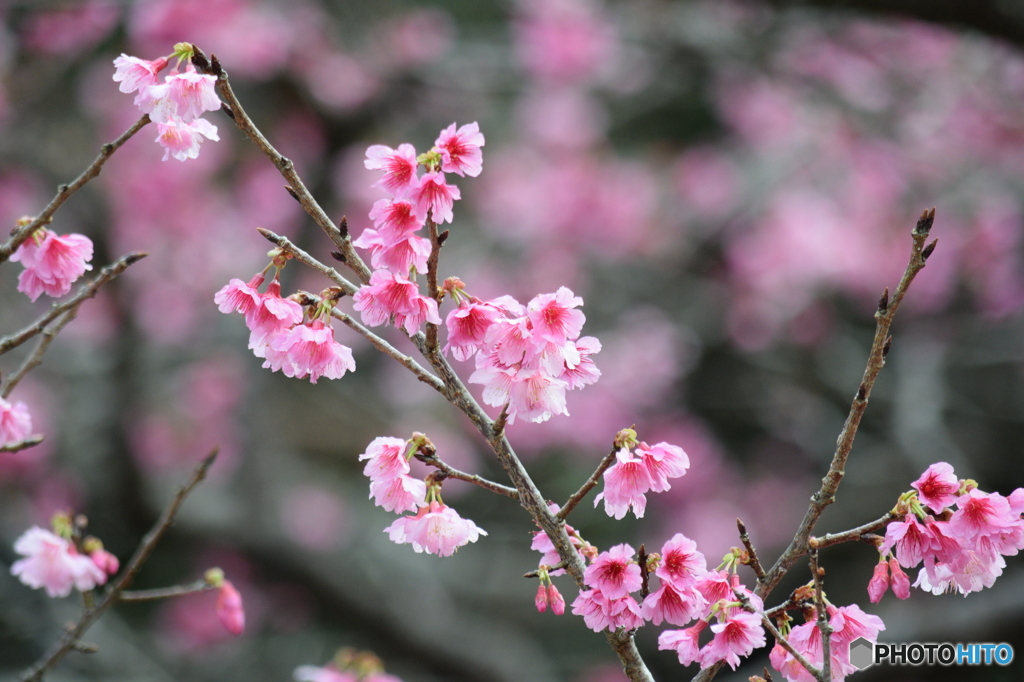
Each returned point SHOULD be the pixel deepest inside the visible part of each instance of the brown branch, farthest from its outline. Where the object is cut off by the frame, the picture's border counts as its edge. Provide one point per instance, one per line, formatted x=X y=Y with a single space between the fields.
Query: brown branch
x=88 y=290
x=824 y=627
x=234 y=109
x=752 y=559
x=298 y=254
x=770 y=627
x=74 y=632
x=578 y=496
x=166 y=592
x=19 y=235
x=451 y=472
x=433 y=291
x=36 y=358
x=852 y=534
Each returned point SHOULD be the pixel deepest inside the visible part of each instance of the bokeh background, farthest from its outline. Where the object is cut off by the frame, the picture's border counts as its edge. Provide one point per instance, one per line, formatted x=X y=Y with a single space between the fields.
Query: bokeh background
x=729 y=185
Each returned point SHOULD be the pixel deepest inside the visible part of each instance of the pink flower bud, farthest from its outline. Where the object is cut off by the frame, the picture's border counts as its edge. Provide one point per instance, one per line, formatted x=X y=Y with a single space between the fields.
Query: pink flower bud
x=879 y=582
x=541 y=600
x=229 y=608
x=105 y=561
x=556 y=601
x=900 y=581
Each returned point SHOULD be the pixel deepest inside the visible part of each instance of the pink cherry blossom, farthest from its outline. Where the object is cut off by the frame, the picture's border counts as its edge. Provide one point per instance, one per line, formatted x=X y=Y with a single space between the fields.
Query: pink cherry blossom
x=625 y=483
x=879 y=583
x=460 y=150
x=52 y=263
x=681 y=562
x=614 y=573
x=585 y=372
x=676 y=605
x=399 y=166
x=239 y=297
x=229 y=608
x=386 y=458
x=436 y=529
x=738 y=636
x=187 y=96
x=850 y=622
x=938 y=486
x=900 y=580
x=715 y=586
x=134 y=73
x=910 y=539
x=399 y=493
x=467 y=327
x=271 y=314
x=395 y=219
x=183 y=140
x=15 y=422
x=396 y=255
x=663 y=461
x=308 y=350
x=53 y=563
x=556 y=600
x=541 y=599
x=981 y=514
x=392 y=295
x=433 y=193
x=554 y=316
x=600 y=613
x=684 y=642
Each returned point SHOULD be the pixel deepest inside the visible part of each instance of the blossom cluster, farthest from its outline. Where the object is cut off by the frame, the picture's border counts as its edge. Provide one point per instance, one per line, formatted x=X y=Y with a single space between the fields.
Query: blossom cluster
x=279 y=332
x=55 y=564
x=962 y=550
x=52 y=263
x=646 y=468
x=435 y=527
x=848 y=624
x=176 y=104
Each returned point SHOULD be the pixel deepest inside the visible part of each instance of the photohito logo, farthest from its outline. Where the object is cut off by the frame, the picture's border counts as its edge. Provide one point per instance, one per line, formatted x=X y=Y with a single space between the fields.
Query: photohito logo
x=864 y=654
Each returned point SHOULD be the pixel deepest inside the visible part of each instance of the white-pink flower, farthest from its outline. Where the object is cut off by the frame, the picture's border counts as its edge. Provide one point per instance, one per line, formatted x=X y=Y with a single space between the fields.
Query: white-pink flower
x=460 y=149
x=15 y=422
x=433 y=193
x=399 y=494
x=386 y=457
x=600 y=612
x=52 y=263
x=183 y=140
x=399 y=166
x=186 y=97
x=53 y=563
x=396 y=255
x=134 y=73
x=554 y=316
x=625 y=483
x=614 y=572
x=309 y=350
x=436 y=529
x=663 y=461
x=938 y=487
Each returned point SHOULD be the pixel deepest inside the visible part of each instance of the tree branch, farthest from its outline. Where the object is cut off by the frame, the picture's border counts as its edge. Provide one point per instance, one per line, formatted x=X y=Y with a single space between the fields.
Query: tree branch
x=19 y=235
x=853 y=534
x=166 y=592
x=451 y=472
x=571 y=503
x=69 y=640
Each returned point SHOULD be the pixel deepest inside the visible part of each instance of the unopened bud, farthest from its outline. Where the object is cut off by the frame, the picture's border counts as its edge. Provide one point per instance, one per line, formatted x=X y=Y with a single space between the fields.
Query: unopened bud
x=214 y=577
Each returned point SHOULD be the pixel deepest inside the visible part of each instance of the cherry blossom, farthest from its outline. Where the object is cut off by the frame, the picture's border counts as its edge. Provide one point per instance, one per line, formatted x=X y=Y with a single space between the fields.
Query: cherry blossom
x=183 y=140
x=677 y=605
x=467 y=327
x=308 y=350
x=15 y=422
x=386 y=458
x=681 y=562
x=270 y=315
x=601 y=613
x=663 y=461
x=392 y=295
x=938 y=487
x=684 y=642
x=395 y=219
x=900 y=580
x=399 y=494
x=554 y=317
x=434 y=194
x=134 y=73
x=53 y=563
x=460 y=149
x=879 y=583
x=625 y=483
x=52 y=263
x=738 y=636
x=614 y=573
x=399 y=166
x=556 y=600
x=436 y=529
x=229 y=608
x=182 y=97
x=239 y=297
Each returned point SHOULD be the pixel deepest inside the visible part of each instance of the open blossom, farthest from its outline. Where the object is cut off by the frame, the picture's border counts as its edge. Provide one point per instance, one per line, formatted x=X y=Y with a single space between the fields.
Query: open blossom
x=938 y=487
x=308 y=350
x=554 y=317
x=677 y=605
x=134 y=73
x=436 y=529
x=982 y=514
x=182 y=97
x=15 y=422
x=460 y=149
x=625 y=483
x=681 y=562
x=663 y=461
x=392 y=295
x=738 y=636
x=600 y=612
x=399 y=494
x=396 y=255
x=239 y=297
x=53 y=563
x=399 y=166
x=683 y=642
x=585 y=372
x=229 y=608
x=467 y=327
x=395 y=219
x=911 y=540
x=270 y=314
x=386 y=458
x=614 y=573
x=183 y=140
x=52 y=263
x=433 y=193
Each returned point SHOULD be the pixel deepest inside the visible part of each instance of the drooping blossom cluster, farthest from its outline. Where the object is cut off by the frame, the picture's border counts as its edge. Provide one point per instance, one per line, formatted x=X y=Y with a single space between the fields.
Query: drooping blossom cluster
x=175 y=105
x=55 y=564
x=848 y=624
x=279 y=332
x=962 y=549
x=435 y=527
x=52 y=263
x=15 y=422
x=646 y=469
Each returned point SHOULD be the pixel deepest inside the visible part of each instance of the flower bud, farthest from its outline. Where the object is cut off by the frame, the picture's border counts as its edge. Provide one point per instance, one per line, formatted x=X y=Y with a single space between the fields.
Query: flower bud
x=541 y=600
x=229 y=608
x=879 y=582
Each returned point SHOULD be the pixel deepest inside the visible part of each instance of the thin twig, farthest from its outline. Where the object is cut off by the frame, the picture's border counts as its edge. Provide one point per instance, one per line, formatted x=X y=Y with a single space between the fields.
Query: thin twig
x=75 y=631
x=36 y=358
x=298 y=254
x=432 y=289
x=166 y=592
x=19 y=235
x=852 y=534
x=823 y=625
x=284 y=165
x=551 y=569
x=770 y=627
x=571 y=503
x=451 y=472
x=85 y=291
x=752 y=559
x=29 y=442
